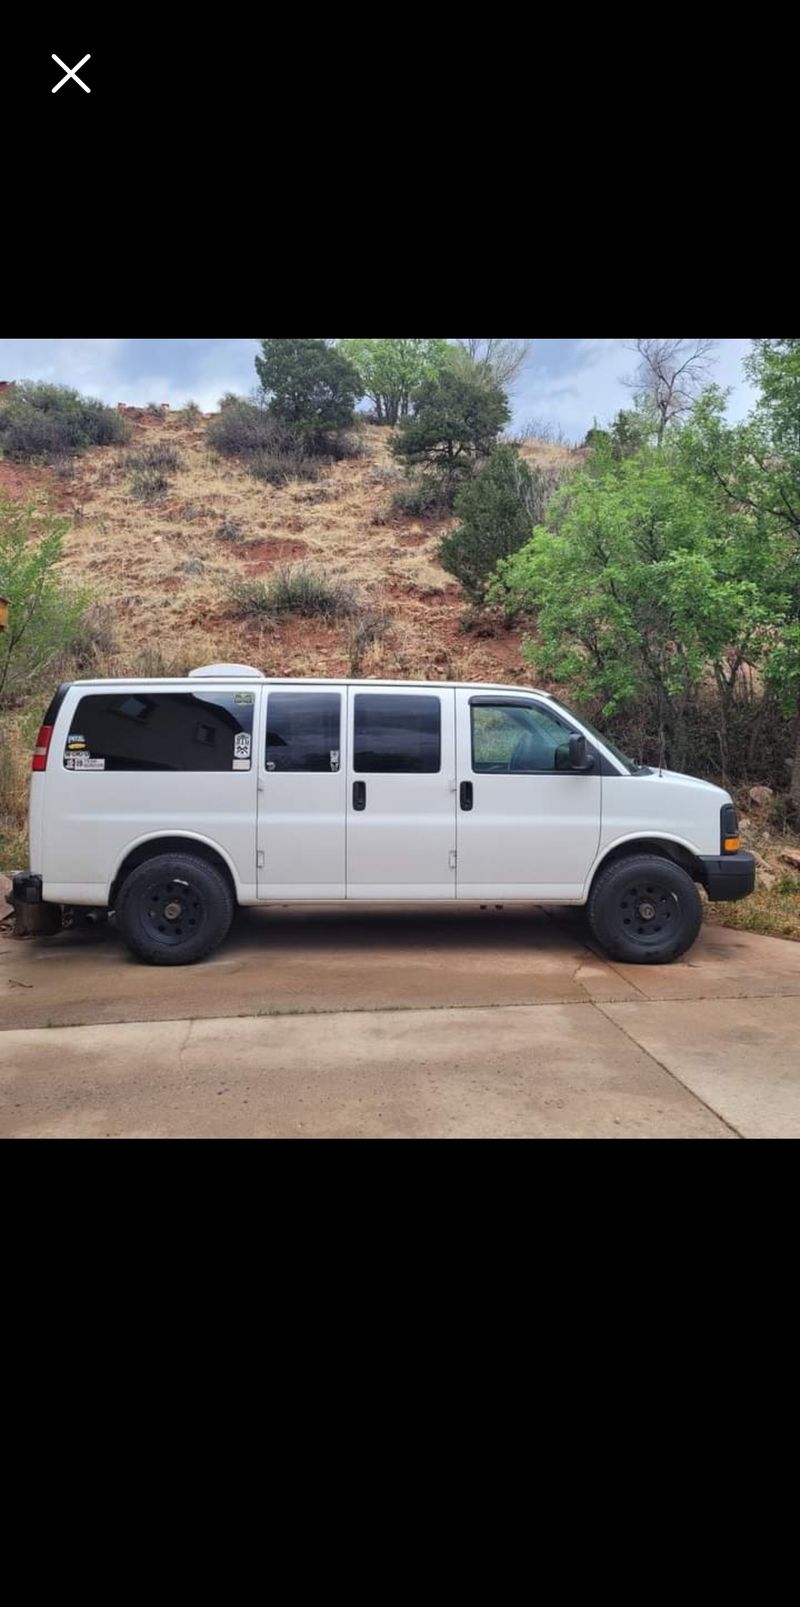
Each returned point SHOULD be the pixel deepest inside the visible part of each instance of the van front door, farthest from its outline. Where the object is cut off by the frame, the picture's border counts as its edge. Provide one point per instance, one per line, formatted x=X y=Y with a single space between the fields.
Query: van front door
x=401 y=800
x=527 y=828
x=301 y=795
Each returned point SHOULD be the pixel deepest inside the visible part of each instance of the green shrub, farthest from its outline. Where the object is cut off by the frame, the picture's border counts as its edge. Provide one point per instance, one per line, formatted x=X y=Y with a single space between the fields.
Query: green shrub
x=157 y=456
x=367 y=628
x=498 y=511
x=43 y=617
x=149 y=485
x=242 y=430
x=278 y=468
x=53 y=421
x=191 y=413
x=230 y=530
x=425 y=498
x=295 y=590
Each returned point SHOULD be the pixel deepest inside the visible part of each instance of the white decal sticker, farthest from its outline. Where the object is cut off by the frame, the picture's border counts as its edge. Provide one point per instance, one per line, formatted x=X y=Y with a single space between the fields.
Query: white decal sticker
x=241 y=764
x=83 y=761
x=241 y=745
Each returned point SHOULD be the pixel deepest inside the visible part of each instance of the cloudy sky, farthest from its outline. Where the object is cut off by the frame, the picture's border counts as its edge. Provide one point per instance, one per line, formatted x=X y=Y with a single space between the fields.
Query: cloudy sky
x=566 y=383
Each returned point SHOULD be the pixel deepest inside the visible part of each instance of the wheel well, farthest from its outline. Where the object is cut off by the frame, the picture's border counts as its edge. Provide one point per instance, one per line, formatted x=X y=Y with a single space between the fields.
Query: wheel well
x=654 y=845
x=168 y=845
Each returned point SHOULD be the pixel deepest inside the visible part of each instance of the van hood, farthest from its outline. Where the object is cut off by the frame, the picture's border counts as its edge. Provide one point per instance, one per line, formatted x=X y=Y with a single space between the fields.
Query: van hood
x=676 y=778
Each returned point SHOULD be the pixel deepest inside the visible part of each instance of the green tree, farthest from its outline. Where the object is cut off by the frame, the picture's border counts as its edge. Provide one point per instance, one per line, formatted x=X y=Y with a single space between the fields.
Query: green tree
x=756 y=468
x=497 y=510
x=455 y=425
x=310 y=385
x=43 y=617
x=644 y=582
x=390 y=370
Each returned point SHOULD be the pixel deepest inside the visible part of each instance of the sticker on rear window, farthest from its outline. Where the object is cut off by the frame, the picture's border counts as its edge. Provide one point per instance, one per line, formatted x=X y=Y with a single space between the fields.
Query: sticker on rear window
x=74 y=741
x=241 y=745
x=241 y=764
x=244 y=697
x=83 y=761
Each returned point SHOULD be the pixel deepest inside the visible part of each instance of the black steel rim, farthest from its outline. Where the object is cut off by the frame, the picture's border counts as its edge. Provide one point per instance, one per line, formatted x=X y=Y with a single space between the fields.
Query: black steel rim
x=647 y=911
x=172 y=911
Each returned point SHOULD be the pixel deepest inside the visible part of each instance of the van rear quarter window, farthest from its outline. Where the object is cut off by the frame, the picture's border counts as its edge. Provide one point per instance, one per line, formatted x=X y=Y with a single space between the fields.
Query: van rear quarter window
x=142 y=730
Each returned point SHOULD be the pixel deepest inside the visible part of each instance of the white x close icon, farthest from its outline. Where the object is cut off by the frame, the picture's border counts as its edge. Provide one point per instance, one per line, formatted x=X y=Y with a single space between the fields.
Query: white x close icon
x=71 y=72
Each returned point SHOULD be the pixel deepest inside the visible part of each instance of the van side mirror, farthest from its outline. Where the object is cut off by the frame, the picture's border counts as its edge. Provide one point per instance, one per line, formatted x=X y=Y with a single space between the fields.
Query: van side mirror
x=574 y=755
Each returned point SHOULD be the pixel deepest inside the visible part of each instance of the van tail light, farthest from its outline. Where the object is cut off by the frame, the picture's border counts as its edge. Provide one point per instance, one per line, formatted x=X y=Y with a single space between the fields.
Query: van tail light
x=42 y=748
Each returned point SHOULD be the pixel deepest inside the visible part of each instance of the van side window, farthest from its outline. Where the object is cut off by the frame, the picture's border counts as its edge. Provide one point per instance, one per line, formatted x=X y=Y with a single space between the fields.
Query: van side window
x=161 y=731
x=516 y=738
x=397 y=733
x=303 y=731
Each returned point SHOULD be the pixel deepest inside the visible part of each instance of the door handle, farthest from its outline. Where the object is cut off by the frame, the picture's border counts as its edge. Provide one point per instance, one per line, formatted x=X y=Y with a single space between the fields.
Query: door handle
x=465 y=795
x=359 y=794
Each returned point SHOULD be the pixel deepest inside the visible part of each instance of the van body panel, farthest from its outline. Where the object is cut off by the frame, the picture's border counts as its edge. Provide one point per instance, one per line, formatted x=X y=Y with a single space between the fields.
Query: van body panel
x=680 y=808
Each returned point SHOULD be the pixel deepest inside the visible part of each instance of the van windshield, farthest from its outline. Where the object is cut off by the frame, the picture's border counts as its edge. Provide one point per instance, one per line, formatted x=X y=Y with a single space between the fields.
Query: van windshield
x=630 y=764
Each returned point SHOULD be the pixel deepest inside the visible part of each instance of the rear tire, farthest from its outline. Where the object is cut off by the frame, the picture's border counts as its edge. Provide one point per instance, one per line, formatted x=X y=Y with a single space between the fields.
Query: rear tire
x=645 y=910
x=174 y=909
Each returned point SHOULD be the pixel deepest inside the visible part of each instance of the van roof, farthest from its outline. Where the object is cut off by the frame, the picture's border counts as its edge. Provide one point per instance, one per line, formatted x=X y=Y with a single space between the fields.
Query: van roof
x=302 y=680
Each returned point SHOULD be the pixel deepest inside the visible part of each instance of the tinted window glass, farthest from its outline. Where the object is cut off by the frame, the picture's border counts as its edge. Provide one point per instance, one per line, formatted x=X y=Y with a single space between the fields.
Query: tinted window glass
x=515 y=738
x=396 y=732
x=161 y=731
x=303 y=730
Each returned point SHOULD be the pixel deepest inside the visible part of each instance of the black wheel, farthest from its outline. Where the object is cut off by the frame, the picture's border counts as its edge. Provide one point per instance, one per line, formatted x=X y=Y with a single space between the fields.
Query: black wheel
x=645 y=910
x=174 y=909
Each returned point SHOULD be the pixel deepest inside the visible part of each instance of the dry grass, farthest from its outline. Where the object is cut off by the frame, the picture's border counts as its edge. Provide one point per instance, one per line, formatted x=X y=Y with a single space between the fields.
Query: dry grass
x=167 y=576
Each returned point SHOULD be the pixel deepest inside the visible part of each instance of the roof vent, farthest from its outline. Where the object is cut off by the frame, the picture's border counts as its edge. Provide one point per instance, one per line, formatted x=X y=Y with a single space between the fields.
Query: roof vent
x=222 y=672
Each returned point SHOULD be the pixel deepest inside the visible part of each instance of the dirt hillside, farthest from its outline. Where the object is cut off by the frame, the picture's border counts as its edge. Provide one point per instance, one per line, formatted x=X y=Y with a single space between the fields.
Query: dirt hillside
x=160 y=574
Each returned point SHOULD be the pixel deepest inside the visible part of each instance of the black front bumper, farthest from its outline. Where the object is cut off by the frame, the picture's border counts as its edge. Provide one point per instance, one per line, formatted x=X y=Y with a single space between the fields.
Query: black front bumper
x=728 y=876
x=26 y=888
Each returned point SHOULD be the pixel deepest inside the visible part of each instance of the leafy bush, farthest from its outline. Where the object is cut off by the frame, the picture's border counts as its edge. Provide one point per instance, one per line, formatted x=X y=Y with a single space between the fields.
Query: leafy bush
x=44 y=617
x=191 y=412
x=426 y=498
x=157 y=456
x=296 y=590
x=498 y=511
x=53 y=421
x=149 y=485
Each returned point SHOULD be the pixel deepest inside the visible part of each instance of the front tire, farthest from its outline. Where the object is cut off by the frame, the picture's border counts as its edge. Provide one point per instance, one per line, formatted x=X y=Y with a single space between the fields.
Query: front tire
x=645 y=910
x=174 y=909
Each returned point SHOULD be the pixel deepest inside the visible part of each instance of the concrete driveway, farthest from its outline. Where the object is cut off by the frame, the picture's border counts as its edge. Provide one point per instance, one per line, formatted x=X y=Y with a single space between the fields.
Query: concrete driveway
x=451 y=1023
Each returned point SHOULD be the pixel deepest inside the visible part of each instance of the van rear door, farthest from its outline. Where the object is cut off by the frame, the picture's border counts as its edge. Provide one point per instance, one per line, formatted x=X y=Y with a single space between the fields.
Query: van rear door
x=130 y=761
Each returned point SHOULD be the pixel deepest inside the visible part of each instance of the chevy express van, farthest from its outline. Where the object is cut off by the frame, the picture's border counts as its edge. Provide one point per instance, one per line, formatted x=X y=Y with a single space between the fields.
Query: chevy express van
x=173 y=801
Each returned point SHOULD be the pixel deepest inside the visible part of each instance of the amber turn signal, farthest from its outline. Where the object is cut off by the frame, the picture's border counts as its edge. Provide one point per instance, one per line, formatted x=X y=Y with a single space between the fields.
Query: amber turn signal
x=731 y=845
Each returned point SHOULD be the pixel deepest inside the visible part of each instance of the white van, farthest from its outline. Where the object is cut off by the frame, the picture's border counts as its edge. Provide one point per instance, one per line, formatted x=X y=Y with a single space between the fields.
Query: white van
x=172 y=801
